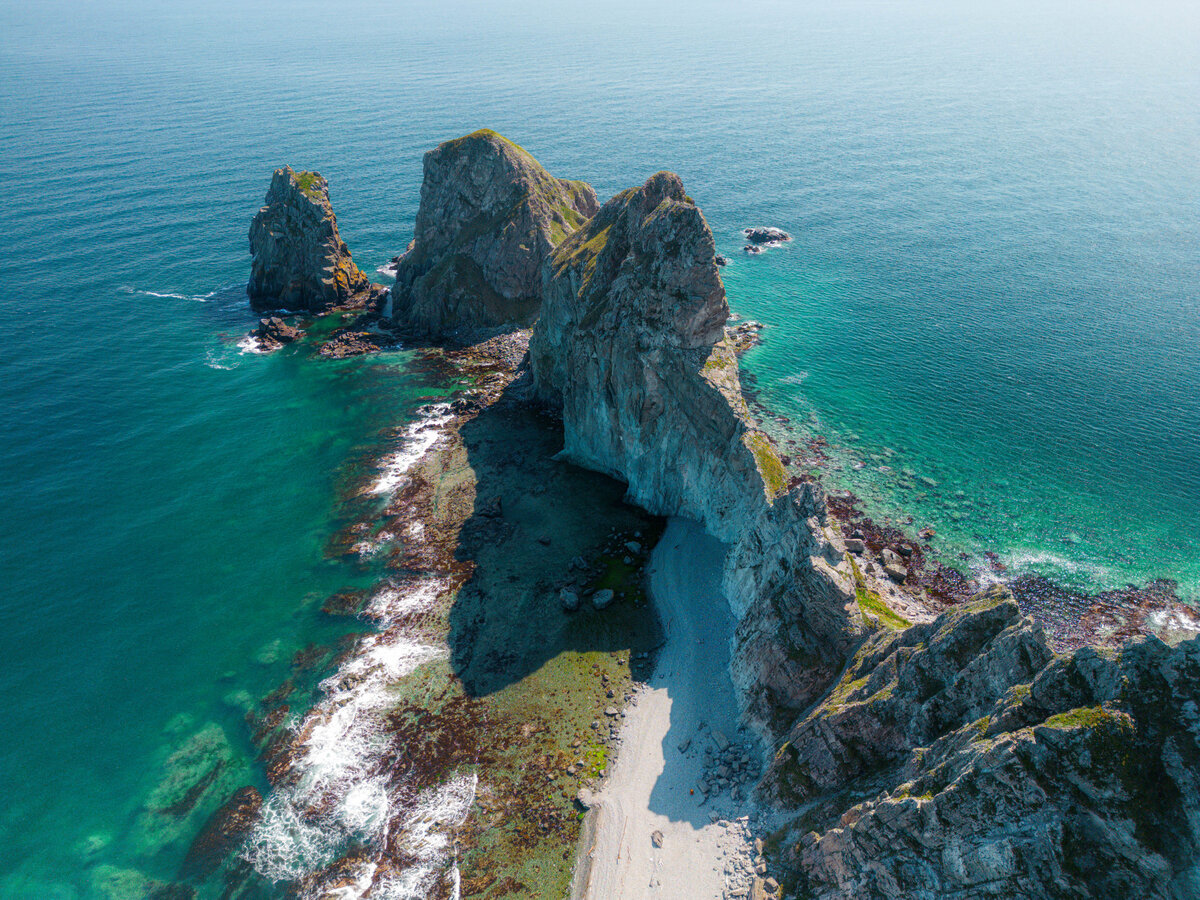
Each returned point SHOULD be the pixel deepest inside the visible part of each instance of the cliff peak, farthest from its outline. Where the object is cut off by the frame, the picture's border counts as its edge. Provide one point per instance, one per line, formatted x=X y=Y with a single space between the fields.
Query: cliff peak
x=490 y=215
x=299 y=261
x=631 y=345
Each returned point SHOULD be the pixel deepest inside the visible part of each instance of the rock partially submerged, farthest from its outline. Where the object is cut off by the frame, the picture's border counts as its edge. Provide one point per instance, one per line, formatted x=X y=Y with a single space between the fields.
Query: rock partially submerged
x=273 y=332
x=299 y=260
x=490 y=215
x=771 y=237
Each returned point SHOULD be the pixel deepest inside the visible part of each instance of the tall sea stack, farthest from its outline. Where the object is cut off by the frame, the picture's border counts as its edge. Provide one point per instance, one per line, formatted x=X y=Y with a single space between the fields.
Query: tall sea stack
x=489 y=217
x=300 y=263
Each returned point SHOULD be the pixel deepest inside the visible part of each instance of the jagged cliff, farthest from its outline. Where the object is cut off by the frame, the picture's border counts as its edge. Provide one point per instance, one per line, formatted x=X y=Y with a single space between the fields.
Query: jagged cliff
x=489 y=216
x=631 y=346
x=989 y=765
x=299 y=261
x=965 y=758
x=962 y=757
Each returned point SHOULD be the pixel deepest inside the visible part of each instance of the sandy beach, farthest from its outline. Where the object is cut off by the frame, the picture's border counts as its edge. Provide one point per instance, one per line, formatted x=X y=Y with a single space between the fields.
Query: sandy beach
x=653 y=833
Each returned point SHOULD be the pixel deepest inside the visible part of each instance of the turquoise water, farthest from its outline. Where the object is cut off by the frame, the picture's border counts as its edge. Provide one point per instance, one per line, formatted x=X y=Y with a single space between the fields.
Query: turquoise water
x=993 y=285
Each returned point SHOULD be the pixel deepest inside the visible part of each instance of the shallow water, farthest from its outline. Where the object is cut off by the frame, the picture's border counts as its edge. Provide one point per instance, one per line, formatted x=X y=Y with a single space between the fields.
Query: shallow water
x=992 y=285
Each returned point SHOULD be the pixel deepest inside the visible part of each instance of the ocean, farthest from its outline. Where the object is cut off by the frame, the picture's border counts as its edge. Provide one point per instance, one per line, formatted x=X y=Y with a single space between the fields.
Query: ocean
x=989 y=309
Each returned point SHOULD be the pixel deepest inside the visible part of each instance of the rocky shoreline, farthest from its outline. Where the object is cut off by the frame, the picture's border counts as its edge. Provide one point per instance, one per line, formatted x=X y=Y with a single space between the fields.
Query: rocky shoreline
x=885 y=695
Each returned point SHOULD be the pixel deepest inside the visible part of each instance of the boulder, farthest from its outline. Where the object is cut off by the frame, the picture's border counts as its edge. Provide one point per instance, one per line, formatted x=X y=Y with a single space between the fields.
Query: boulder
x=298 y=260
x=602 y=598
x=489 y=217
x=272 y=333
x=569 y=600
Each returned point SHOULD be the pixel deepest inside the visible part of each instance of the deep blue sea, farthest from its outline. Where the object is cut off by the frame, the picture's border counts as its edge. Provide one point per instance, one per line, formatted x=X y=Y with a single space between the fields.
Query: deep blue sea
x=990 y=308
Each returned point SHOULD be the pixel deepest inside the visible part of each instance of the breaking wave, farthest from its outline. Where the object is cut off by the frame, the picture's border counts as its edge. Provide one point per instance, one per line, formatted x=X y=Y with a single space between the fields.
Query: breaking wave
x=343 y=790
x=417 y=438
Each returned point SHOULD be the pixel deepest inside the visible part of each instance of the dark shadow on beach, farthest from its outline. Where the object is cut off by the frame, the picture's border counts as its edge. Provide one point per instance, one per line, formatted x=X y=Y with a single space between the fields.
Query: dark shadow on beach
x=540 y=525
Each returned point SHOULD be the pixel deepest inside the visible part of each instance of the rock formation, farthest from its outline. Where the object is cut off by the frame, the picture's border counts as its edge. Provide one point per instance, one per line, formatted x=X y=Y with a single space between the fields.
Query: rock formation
x=962 y=757
x=272 y=333
x=300 y=262
x=489 y=217
x=965 y=758
x=631 y=346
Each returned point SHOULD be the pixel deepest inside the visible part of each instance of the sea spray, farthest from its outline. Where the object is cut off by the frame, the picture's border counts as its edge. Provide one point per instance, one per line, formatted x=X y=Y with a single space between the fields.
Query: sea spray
x=342 y=788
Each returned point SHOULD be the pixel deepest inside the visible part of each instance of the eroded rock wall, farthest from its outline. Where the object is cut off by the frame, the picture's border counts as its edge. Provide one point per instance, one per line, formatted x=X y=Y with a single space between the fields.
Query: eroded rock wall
x=299 y=261
x=489 y=217
x=965 y=758
x=631 y=346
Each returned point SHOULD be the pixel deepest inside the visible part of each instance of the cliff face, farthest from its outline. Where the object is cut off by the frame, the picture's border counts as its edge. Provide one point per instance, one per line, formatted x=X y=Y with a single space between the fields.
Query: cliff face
x=995 y=767
x=489 y=217
x=631 y=346
x=791 y=588
x=299 y=262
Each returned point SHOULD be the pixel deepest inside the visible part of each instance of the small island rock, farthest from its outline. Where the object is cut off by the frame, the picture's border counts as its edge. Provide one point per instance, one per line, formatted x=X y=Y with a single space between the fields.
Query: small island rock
x=299 y=261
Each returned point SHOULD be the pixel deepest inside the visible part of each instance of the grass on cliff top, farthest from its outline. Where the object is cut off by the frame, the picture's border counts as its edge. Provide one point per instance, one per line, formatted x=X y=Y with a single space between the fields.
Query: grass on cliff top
x=871 y=602
x=773 y=474
x=489 y=134
x=307 y=182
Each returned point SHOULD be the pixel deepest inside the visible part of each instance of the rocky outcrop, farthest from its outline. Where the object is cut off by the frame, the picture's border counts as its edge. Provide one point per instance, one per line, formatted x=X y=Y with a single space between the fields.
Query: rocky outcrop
x=771 y=237
x=489 y=217
x=300 y=262
x=965 y=758
x=272 y=333
x=631 y=346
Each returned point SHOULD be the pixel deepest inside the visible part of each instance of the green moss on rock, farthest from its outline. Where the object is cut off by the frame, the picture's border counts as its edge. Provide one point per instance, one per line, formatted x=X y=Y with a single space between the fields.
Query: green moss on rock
x=773 y=474
x=308 y=183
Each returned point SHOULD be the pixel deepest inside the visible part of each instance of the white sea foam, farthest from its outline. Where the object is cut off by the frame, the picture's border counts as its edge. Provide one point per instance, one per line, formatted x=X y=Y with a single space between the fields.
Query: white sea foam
x=391 y=603
x=213 y=360
x=426 y=837
x=250 y=344
x=1022 y=562
x=417 y=438
x=169 y=295
x=340 y=795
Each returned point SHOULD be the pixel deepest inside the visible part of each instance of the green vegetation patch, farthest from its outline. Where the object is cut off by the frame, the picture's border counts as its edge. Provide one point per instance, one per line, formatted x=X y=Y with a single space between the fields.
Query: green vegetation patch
x=770 y=467
x=1090 y=717
x=871 y=602
x=308 y=184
